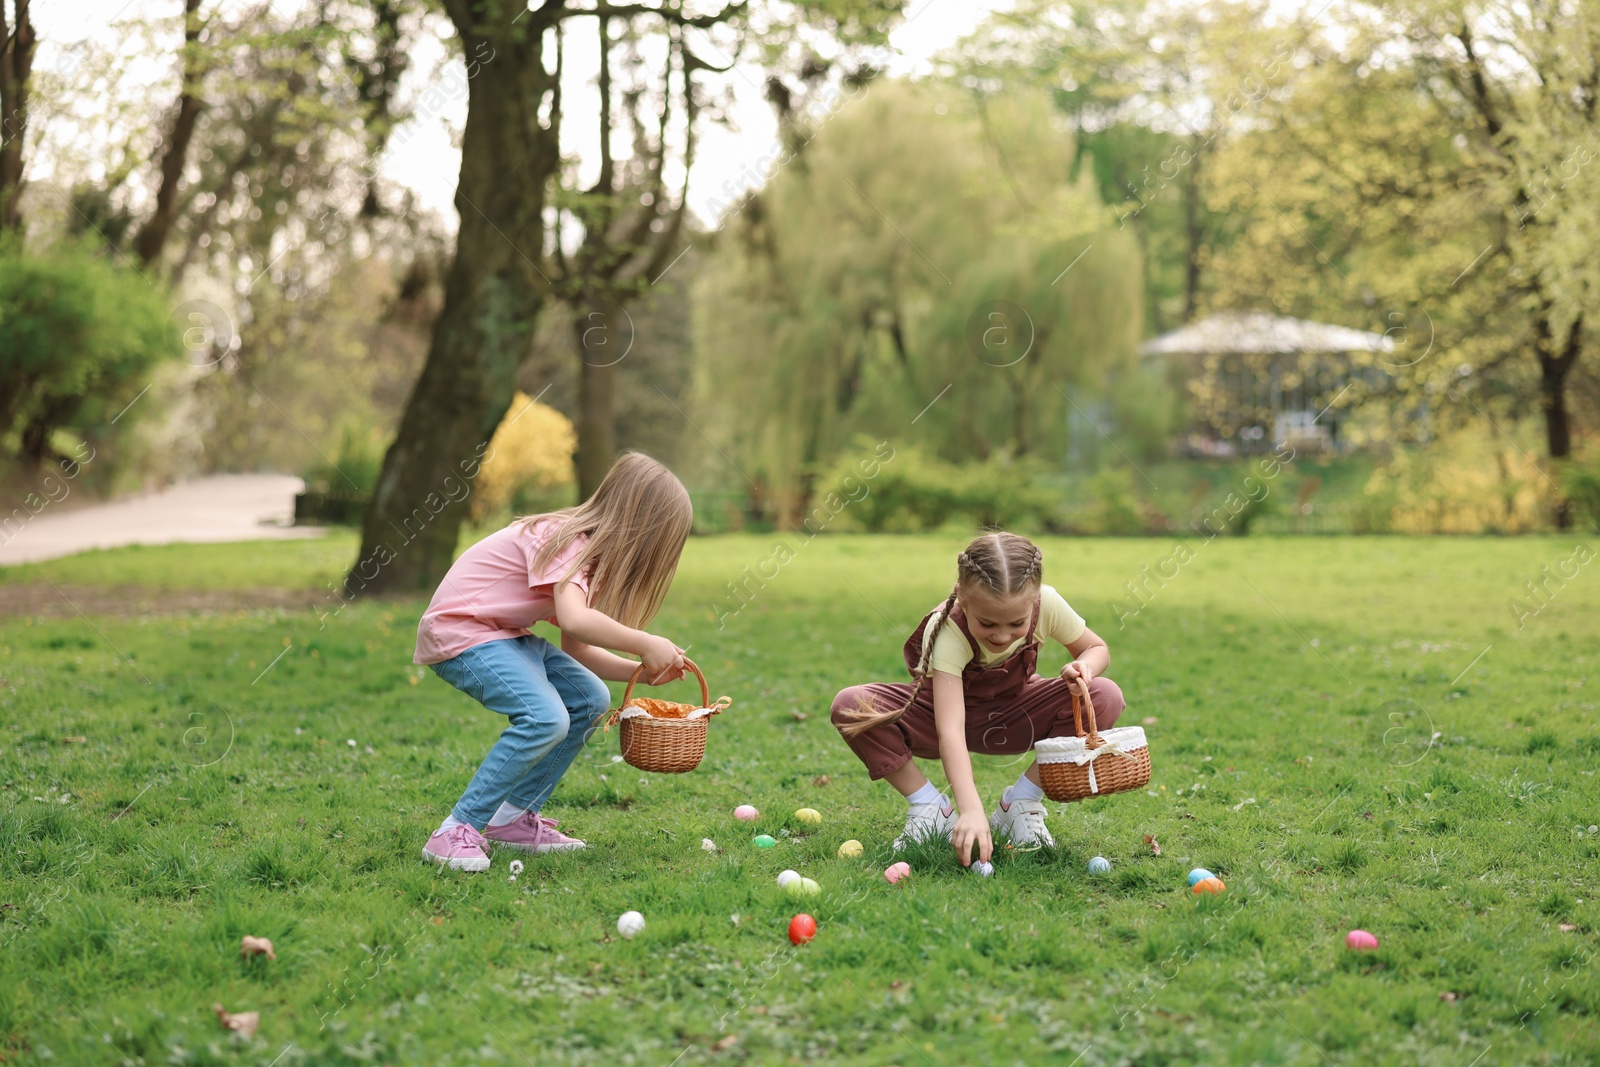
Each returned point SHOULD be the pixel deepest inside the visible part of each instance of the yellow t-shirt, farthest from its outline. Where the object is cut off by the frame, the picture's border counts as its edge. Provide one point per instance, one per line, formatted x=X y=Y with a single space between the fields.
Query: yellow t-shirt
x=952 y=652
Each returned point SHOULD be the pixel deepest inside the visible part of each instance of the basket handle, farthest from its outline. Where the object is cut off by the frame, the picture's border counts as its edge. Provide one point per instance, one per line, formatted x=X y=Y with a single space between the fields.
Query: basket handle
x=1092 y=738
x=705 y=693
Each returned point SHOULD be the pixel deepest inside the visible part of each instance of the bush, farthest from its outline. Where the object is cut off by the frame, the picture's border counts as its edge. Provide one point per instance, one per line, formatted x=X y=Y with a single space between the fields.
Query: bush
x=913 y=491
x=1580 y=480
x=81 y=338
x=529 y=460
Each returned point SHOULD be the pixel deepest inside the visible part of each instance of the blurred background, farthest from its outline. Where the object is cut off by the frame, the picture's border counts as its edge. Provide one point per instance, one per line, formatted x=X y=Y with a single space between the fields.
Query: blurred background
x=1124 y=268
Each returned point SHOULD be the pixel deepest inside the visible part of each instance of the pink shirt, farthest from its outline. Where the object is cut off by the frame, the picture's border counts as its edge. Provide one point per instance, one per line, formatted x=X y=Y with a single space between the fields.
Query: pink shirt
x=493 y=592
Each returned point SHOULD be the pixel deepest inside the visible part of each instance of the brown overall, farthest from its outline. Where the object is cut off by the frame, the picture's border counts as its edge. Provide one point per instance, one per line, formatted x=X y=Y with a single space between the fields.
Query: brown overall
x=1009 y=707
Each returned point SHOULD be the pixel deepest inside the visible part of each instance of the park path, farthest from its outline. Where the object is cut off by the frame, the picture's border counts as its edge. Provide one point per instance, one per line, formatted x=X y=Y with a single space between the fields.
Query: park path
x=222 y=507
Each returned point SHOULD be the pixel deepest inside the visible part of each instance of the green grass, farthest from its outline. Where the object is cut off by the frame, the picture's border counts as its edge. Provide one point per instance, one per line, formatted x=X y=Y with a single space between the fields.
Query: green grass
x=1296 y=684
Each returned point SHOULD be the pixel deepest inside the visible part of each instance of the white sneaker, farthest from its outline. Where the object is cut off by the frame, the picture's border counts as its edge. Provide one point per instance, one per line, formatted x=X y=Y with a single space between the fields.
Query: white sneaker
x=927 y=822
x=1023 y=824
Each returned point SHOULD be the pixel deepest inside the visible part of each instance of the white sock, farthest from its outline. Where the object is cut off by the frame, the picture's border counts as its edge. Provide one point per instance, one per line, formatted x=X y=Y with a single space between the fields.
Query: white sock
x=1022 y=789
x=927 y=794
x=507 y=814
x=449 y=822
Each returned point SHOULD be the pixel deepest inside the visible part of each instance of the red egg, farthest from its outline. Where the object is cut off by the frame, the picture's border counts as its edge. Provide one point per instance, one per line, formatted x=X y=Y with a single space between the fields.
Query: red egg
x=802 y=928
x=1209 y=885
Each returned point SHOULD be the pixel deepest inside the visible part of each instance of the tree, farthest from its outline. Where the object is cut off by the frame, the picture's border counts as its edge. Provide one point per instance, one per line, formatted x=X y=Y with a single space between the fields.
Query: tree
x=191 y=71
x=631 y=225
x=1151 y=95
x=925 y=247
x=17 y=45
x=495 y=287
x=1434 y=163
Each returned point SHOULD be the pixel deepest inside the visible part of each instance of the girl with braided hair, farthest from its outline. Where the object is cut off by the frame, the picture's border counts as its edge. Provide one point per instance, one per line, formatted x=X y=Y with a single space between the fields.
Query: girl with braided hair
x=974 y=689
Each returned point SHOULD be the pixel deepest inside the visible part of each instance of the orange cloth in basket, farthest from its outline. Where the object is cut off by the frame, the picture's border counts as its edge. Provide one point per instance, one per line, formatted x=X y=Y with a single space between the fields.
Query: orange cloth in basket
x=662 y=709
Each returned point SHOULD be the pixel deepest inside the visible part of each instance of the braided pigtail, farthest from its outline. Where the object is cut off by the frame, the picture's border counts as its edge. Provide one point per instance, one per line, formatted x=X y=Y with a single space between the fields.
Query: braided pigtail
x=881 y=717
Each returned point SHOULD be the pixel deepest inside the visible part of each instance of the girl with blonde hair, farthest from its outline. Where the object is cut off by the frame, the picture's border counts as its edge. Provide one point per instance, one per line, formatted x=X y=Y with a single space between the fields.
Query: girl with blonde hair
x=597 y=572
x=974 y=689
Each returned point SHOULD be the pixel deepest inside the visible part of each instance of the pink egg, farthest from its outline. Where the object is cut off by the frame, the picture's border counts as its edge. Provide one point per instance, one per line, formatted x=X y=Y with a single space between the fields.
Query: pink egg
x=1360 y=941
x=897 y=871
x=746 y=813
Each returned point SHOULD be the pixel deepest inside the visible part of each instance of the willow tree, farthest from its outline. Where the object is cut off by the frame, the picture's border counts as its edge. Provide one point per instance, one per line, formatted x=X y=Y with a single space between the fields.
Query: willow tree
x=928 y=248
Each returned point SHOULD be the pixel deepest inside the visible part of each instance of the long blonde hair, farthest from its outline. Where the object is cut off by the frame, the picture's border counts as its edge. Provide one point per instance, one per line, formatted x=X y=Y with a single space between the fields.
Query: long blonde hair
x=637 y=523
x=1004 y=564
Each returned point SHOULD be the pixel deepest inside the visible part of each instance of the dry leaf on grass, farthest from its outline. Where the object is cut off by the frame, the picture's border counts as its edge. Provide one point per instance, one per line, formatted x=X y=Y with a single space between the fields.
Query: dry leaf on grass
x=1155 y=846
x=1449 y=997
x=1150 y=720
x=80 y=740
x=821 y=780
x=256 y=946
x=1567 y=928
x=727 y=1042
x=240 y=1022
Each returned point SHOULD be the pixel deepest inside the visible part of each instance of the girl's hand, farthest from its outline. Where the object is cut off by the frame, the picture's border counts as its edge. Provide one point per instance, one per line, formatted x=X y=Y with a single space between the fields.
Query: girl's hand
x=972 y=828
x=662 y=657
x=1078 y=669
x=666 y=676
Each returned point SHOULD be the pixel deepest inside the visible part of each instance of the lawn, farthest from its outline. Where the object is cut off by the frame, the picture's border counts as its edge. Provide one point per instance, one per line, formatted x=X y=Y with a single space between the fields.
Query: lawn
x=1353 y=733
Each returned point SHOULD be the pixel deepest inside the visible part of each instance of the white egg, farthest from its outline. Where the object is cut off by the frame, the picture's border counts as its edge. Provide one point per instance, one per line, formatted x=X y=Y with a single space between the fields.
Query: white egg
x=785 y=877
x=630 y=923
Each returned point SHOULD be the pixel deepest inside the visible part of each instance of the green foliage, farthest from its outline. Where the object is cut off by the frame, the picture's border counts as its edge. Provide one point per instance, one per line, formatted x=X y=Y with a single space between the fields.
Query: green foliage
x=1580 y=480
x=82 y=336
x=354 y=467
x=129 y=899
x=926 y=262
x=918 y=492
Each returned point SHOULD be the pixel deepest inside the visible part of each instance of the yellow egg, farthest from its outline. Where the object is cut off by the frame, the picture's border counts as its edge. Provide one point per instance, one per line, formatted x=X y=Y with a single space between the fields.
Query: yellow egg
x=850 y=850
x=810 y=815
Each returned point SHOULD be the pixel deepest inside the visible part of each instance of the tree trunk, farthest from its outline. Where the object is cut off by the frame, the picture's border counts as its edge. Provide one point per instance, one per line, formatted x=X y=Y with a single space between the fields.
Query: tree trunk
x=17 y=43
x=1194 y=239
x=1554 y=368
x=493 y=293
x=603 y=335
x=153 y=236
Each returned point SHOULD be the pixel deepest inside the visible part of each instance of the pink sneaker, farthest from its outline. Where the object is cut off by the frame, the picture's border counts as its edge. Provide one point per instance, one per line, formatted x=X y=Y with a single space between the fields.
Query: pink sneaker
x=532 y=832
x=461 y=848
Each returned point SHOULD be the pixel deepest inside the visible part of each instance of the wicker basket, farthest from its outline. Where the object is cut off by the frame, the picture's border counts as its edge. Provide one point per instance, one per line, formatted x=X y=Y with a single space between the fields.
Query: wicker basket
x=1092 y=764
x=670 y=745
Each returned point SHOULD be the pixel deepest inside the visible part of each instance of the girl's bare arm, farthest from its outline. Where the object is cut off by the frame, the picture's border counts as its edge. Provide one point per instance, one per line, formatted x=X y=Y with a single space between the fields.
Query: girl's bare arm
x=950 y=718
x=1090 y=656
x=606 y=665
x=590 y=627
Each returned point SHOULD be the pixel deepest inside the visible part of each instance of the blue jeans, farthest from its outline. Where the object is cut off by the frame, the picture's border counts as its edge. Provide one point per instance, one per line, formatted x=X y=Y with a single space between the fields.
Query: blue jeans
x=553 y=702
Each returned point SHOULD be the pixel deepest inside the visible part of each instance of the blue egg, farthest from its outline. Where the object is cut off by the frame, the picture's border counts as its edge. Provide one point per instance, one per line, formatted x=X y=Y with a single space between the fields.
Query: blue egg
x=1099 y=865
x=1199 y=874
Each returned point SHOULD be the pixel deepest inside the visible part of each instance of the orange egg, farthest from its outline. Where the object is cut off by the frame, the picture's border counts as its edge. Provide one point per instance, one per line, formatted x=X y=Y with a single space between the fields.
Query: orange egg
x=1209 y=885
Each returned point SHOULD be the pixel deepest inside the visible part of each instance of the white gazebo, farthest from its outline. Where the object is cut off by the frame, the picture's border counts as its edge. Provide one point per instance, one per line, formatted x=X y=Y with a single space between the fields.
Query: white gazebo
x=1253 y=380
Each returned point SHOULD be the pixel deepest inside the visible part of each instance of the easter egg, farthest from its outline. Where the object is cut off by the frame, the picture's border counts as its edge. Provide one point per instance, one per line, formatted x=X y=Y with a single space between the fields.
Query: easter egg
x=1360 y=941
x=985 y=869
x=1198 y=875
x=802 y=928
x=1099 y=865
x=630 y=923
x=746 y=813
x=809 y=815
x=896 y=871
x=1208 y=885
x=765 y=841
x=785 y=877
x=850 y=850
x=803 y=887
